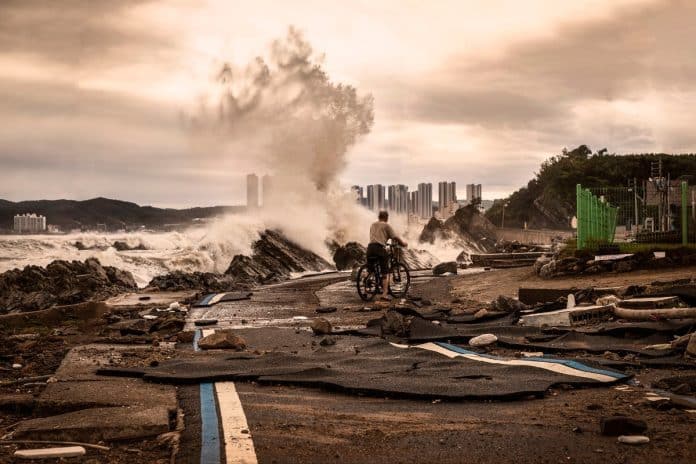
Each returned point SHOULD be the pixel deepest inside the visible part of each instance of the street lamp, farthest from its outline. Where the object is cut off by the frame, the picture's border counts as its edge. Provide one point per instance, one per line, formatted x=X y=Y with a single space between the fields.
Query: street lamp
x=502 y=221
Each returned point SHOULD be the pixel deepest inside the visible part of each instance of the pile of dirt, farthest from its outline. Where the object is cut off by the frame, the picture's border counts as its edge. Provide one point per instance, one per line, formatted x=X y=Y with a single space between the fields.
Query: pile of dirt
x=61 y=283
x=274 y=258
x=468 y=226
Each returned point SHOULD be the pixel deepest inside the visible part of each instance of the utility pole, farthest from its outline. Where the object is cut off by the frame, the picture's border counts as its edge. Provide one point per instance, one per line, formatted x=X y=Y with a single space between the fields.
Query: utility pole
x=635 y=200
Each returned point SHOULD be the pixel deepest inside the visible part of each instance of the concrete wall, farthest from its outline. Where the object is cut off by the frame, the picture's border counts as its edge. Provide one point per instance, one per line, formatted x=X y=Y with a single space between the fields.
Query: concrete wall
x=531 y=236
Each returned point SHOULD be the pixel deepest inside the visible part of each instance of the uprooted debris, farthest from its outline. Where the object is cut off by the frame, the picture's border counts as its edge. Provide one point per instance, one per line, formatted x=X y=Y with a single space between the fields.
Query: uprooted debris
x=584 y=263
x=61 y=283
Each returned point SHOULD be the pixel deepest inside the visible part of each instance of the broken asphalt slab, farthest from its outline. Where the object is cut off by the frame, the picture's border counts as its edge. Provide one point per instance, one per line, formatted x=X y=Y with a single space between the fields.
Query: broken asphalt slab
x=97 y=424
x=376 y=367
x=91 y=408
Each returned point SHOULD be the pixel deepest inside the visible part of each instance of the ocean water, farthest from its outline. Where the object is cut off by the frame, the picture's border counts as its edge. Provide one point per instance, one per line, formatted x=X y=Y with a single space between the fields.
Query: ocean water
x=191 y=250
x=208 y=248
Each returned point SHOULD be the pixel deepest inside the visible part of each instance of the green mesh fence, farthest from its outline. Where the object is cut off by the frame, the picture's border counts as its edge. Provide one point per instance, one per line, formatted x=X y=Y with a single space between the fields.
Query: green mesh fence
x=596 y=219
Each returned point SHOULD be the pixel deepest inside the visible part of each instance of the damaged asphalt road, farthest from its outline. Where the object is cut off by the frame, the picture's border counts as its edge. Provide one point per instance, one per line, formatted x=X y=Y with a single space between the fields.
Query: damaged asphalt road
x=374 y=367
x=397 y=384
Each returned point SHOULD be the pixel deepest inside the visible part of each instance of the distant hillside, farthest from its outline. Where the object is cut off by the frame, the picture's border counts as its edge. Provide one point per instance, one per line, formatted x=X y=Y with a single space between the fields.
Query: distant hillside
x=115 y=214
x=548 y=200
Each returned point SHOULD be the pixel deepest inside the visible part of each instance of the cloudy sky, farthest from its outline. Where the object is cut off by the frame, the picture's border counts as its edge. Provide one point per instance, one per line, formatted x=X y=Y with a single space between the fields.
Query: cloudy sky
x=95 y=94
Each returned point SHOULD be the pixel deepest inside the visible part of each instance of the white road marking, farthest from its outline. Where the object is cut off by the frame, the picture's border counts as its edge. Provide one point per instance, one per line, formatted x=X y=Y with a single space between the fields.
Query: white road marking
x=239 y=447
x=206 y=332
x=216 y=299
x=554 y=367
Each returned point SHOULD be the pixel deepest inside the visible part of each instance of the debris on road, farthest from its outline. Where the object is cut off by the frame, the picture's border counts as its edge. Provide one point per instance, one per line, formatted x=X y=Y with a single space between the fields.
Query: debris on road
x=326 y=309
x=633 y=439
x=222 y=340
x=321 y=326
x=51 y=453
x=483 y=340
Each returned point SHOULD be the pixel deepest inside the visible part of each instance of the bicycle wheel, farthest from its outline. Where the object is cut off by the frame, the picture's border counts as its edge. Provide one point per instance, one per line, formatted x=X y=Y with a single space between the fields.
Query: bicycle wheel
x=400 y=280
x=366 y=283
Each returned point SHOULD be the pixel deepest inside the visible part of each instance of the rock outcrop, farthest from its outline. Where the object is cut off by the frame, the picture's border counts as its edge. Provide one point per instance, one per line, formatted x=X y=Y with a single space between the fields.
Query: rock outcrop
x=60 y=283
x=468 y=228
x=433 y=230
x=274 y=258
x=469 y=224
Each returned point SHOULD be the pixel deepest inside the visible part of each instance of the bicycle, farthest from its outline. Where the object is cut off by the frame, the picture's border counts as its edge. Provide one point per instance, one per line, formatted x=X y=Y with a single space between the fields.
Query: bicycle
x=369 y=277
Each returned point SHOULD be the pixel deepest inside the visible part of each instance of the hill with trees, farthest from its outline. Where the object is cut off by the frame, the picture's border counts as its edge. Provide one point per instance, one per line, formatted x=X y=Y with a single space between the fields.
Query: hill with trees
x=113 y=214
x=548 y=200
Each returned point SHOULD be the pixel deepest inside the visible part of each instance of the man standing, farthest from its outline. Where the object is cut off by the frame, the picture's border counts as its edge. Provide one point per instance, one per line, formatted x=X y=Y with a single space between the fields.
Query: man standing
x=380 y=232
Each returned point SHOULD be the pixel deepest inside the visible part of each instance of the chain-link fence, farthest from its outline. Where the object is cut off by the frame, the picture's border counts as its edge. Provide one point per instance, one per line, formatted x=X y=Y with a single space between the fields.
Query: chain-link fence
x=655 y=211
x=596 y=219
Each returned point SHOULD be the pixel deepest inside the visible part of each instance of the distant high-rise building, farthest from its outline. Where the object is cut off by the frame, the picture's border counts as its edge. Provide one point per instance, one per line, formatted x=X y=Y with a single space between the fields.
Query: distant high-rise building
x=425 y=200
x=252 y=191
x=447 y=198
x=31 y=223
x=266 y=189
x=414 y=207
x=401 y=199
x=398 y=199
x=357 y=192
x=473 y=191
x=376 y=197
x=391 y=199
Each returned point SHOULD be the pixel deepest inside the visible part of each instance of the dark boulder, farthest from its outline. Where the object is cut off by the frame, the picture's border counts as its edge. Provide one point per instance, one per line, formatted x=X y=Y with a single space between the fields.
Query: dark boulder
x=349 y=256
x=443 y=268
x=120 y=245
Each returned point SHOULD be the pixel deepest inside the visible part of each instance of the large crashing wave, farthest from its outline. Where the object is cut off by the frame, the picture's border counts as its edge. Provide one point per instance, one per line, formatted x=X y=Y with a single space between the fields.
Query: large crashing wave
x=196 y=249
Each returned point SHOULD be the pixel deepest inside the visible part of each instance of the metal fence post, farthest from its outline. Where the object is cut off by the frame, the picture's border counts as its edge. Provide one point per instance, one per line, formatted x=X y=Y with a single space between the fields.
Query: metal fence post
x=684 y=217
x=579 y=216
